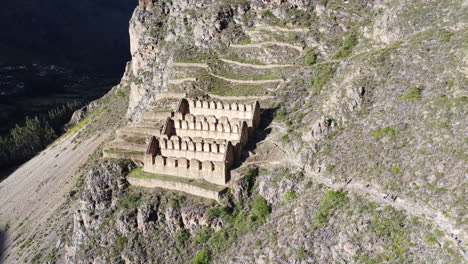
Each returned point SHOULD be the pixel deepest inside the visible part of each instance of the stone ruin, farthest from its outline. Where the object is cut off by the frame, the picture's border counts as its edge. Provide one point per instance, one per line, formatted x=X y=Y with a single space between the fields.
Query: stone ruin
x=199 y=143
x=202 y=140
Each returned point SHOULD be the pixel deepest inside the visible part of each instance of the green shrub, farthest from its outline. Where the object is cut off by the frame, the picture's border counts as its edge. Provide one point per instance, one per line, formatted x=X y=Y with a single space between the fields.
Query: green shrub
x=121 y=93
x=329 y=167
x=269 y=17
x=446 y=36
x=386 y=131
x=311 y=57
x=389 y=225
x=395 y=169
x=281 y=113
x=129 y=201
x=331 y=201
x=118 y=246
x=218 y=211
x=324 y=73
x=260 y=210
x=346 y=47
x=301 y=253
x=299 y=17
x=290 y=195
x=181 y=237
x=202 y=257
x=412 y=94
x=203 y=236
x=250 y=177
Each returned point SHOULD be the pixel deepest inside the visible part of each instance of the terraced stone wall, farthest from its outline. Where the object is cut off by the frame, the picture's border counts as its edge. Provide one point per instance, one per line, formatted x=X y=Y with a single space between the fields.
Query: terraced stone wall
x=210 y=127
x=210 y=171
x=249 y=113
x=188 y=149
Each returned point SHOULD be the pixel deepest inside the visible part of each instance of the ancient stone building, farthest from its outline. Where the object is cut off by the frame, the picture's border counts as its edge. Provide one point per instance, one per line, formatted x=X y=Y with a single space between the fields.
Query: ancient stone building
x=200 y=142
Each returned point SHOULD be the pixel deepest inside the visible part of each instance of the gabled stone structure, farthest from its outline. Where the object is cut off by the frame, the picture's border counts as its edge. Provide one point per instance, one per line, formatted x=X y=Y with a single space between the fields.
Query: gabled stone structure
x=249 y=113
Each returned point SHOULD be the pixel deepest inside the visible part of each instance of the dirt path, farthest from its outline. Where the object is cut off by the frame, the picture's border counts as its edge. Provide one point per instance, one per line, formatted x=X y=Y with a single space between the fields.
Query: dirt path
x=266 y=43
x=255 y=66
x=248 y=81
x=33 y=194
x=187 y=64
x=281 y=29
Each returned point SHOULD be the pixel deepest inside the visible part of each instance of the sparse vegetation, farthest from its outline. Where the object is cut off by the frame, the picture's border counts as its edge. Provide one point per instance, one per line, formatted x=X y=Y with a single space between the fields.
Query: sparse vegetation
x=250 y=176
x=181 y=238
x=311 y=57
x=203 y=236
x=346 y=47
x=129 y=201
x=290 y=195
x=202 y=257
x=331 y=201
x=384 y=132
x=260 y=210
x=395 y=169
x=412 y=94
x=323 y=74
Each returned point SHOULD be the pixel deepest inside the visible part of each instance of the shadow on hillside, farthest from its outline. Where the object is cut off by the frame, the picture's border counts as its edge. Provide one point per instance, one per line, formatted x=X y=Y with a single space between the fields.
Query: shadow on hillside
x=3 y=238
x=262 y=131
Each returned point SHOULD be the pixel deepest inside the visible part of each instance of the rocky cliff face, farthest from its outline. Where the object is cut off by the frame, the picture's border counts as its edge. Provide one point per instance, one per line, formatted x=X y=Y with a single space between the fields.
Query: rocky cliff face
x=361 y=155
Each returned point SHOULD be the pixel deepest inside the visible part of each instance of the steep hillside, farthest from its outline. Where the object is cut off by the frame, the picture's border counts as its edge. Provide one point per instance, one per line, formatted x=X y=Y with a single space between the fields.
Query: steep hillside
x=360 y=157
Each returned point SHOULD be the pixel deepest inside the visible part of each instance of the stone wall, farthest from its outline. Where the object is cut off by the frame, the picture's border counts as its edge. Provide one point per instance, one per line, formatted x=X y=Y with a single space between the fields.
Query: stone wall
x=209 y=127
x=210 y=171
x=124 y=155
x=203 y=151
x=249 y=113
x=177 y=186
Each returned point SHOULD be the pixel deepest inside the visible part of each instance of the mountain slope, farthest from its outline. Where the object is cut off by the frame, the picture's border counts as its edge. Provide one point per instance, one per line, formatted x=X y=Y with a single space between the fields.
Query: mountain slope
x=360 y=156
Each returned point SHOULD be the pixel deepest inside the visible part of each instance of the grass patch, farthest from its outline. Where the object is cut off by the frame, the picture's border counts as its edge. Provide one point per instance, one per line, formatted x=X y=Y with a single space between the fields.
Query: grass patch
x=324 y=73
x=203 y=236
x=181 y=238
x=260 y=210
x=250 y=177
x=331 y=201
x=411 y=95
x=118 y=246
x=389 y=225
x=120 y=151
x=289 y=196
x=395 y=169
x=383 y=132
x=77 y=127
x=202 y=257
x=346 y=47
x=194 y=55
x=330 y=167
x=239 y=221
x=129 y=201
x=311 y=57
x=224 y=88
